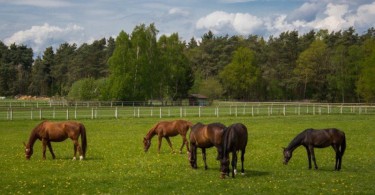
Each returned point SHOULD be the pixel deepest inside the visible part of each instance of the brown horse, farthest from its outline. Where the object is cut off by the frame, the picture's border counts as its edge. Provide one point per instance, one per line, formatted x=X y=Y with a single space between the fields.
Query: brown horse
x=205 y=136
x=234 y=139
x=49 y=132
x=311 y=138
x=168 y=129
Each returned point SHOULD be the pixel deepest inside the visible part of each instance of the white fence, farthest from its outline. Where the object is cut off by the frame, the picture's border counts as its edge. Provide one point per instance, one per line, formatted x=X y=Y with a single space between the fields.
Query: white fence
x=96 y=111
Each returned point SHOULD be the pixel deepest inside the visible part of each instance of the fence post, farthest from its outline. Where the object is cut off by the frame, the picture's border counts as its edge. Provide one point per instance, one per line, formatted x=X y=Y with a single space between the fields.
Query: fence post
x=313 y=109
x=40 y=113
x=31 y=114
x=138 y=112
x=199 y=111
x=252 y=110
x=92 y=113
x=75 y=112
x=54 y=113
x=160 y=111
x=181 y=112
x=116 y=112
x=151 y=110
x=67 y=113
x=284 y=110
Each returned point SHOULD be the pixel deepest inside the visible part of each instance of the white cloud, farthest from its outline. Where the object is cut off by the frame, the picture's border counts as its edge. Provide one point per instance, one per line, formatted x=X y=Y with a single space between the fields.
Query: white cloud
x=178 y=11
x=333 y=17
x=220 y=21
x=39 y=3
x=40 y=37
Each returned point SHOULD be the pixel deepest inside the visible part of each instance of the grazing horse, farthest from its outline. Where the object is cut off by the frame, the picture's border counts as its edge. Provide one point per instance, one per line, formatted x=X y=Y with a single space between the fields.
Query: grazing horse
x=234 y=139
x=49 y=132
x=311 y=138
x=205 y=136
x=168 y=129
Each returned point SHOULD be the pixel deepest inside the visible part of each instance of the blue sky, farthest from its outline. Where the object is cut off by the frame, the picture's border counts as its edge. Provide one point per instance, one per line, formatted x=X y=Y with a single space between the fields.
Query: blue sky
x=42 y=23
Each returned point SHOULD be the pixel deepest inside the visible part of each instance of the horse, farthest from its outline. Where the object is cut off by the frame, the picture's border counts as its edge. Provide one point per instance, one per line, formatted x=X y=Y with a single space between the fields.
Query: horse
x=234 y=139
x=48 y=132
x=168 y=129
x=205 y=136
x=311 y=138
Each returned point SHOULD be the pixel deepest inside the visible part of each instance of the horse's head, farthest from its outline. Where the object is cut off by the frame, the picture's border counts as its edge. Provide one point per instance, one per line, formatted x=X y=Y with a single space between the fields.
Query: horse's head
x=146 y=144
x=28 y=151
x=224 y=168
x=287 y=155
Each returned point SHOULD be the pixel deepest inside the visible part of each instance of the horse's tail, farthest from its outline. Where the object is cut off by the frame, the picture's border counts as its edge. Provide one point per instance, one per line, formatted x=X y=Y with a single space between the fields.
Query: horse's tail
x=343 y=145
x=83 y=139
x=226 y=138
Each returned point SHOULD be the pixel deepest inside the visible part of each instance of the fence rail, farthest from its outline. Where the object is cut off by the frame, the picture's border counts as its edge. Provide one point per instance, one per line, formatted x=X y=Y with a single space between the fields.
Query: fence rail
x=90 y=110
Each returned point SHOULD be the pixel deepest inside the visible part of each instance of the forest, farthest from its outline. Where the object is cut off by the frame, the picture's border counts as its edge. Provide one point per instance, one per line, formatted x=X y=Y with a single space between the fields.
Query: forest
x=143 y=65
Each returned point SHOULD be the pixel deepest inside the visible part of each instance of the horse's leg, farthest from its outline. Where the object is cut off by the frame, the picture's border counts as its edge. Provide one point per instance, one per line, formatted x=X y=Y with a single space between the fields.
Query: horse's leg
x=160 y=137
x=184 y=142
x=337 y=151
x=78 y=148
x=50 y=149
x=204 y=158
x=308 y=156
x=242 y=160
x=169 y=143
x=44 y=143
x=313 y=156
x=234 y=163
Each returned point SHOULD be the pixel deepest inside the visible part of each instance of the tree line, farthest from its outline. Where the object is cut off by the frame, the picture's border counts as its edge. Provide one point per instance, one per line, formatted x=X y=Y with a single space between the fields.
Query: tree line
x=318 y=65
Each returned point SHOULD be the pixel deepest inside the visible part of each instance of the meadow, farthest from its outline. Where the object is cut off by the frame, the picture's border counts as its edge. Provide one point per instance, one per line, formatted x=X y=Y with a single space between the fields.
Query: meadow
x=117 y=164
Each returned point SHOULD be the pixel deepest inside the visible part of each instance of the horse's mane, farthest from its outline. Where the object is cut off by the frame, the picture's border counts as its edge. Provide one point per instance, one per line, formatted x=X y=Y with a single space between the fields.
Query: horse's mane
x=33 y=134
x=297 y=140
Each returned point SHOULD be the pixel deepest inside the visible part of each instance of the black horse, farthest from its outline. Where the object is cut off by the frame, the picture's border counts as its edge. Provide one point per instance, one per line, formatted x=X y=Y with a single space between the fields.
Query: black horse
x=234 y=139
x=311 y=138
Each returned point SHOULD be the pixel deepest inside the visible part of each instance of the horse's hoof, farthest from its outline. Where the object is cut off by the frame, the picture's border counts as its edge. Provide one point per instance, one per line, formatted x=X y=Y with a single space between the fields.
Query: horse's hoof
x=242 y=173
x=80 y=157
x=74 y=158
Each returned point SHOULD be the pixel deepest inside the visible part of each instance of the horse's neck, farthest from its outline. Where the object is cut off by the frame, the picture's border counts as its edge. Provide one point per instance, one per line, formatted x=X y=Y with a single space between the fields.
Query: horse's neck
x=32 y=139
x=295 y=143
x=150 y=134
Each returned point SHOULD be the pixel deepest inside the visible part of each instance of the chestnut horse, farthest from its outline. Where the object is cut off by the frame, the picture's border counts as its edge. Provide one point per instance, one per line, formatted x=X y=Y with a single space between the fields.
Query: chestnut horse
x=49 y=132
x=205 y=136
x=311 y=138
x=168 y=129
x=234 y=139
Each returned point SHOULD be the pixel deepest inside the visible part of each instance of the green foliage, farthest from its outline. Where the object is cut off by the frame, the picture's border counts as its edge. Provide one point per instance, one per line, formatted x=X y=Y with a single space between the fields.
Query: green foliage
x=366 y=82
x=84 y=89
x=240 y=76
x=117 y=164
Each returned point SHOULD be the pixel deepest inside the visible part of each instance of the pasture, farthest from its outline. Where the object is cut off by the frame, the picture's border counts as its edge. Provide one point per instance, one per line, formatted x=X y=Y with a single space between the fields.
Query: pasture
x=117 y=164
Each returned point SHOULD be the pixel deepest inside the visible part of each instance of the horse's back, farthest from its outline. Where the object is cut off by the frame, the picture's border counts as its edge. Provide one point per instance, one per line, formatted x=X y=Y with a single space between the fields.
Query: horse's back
x=59 y=131
x=238 y=136
x=207 y=135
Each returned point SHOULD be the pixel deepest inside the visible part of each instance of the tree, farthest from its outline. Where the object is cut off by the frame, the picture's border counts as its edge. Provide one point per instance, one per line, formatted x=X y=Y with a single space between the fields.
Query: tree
x=60 y=72
x=366 y=81
x=312 y=69
x=240 y=76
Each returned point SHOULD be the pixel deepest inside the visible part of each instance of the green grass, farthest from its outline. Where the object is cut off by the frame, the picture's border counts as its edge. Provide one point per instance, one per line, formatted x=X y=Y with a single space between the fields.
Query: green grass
x=117 y=164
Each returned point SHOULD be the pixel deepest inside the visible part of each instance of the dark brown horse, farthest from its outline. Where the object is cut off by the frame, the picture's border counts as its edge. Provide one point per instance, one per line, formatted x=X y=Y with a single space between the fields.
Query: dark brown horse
x=49 y=132
x=311 y=138
x=168 y=129
x=234 y=139
x=205 y=136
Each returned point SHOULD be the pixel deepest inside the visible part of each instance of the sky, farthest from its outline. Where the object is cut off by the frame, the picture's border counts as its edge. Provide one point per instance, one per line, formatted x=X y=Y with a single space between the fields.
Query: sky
x=44 y=23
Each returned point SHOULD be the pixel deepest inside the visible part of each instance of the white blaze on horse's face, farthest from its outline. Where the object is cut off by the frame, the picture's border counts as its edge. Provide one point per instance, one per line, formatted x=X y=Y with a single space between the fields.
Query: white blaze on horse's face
x=28 y=153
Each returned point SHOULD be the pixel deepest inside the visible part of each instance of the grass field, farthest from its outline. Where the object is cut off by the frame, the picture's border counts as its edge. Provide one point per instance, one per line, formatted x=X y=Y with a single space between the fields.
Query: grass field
x=117 y=164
